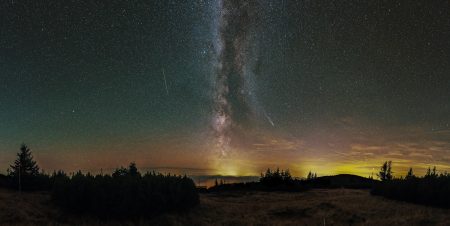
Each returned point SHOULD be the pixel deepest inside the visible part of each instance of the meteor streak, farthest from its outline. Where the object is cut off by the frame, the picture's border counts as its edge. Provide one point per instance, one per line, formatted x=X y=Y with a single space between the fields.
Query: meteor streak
x=269 y=119
x=165 y=82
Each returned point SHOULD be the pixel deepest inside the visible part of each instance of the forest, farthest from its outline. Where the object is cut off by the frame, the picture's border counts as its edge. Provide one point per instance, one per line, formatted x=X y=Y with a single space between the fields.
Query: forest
x=124 y=193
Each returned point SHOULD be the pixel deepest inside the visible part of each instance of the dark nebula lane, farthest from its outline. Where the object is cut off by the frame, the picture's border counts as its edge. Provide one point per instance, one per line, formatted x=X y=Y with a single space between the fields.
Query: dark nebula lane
x=227 y=87
x=237 y=27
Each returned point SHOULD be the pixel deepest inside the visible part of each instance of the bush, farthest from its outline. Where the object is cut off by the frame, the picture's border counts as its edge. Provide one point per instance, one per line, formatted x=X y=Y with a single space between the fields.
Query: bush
x=126 y=193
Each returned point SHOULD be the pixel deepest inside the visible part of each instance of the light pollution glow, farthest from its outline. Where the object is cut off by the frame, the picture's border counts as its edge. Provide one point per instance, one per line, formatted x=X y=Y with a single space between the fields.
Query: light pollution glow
x=284 y=87
x=331 y=155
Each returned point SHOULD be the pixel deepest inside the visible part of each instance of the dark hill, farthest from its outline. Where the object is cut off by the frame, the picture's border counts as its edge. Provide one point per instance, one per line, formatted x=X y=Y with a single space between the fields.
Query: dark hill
x=341 y=181
x=336 y=181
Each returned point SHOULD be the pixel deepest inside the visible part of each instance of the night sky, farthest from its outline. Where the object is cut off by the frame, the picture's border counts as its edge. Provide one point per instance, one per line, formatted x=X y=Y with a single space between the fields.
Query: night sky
x=226 y=87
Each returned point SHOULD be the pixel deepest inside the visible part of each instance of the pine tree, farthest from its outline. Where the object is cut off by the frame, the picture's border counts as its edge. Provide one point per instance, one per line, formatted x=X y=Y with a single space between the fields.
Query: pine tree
x=287 y=176
x=410 y=174
x=431 y=173
x=132 y=170
x=24 y=165
x=385 y=171
x=389 y=171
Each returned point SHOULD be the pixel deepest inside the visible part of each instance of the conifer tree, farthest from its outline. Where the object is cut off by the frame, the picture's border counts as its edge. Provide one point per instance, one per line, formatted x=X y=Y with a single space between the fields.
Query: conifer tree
x=24 y=165
x=132 y=170
x=310 y=176
x=410 y=174
x=385 y=171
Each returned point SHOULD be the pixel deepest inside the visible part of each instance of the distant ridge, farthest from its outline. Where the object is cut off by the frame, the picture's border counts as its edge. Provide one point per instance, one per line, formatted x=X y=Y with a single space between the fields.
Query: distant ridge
x=276 y=184
x=341 y=180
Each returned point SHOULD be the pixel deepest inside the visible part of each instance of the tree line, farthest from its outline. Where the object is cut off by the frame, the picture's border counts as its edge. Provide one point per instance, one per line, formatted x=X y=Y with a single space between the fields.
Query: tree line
x=431 y=189
x=124 y=193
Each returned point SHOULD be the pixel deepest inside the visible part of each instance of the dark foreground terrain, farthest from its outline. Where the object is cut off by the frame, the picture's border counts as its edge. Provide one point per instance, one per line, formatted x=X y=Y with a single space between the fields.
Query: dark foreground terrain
x=314 y=207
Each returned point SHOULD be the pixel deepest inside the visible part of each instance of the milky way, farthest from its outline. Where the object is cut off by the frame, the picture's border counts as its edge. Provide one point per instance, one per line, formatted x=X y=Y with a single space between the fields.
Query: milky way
x=232 y=86
x=234 y=44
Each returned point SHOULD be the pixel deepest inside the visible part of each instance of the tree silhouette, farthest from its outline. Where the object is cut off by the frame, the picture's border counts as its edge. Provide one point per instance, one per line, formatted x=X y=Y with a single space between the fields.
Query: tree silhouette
x=385 y=171
x=276 y=178
x=24 y=165
x=125 y=194
x=311 y=176
x=25 y=172
x=132 y=170
x=120 y=172
x=410 y=174
x=286 y=175
x=431 y=173
x=431 y=189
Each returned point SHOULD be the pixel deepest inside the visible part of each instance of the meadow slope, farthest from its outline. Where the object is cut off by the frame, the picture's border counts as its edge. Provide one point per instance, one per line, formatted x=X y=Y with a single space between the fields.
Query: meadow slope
x=315 y=207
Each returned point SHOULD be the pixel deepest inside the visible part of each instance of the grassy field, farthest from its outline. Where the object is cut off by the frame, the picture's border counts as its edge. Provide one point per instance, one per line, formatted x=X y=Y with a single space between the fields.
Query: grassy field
x=315 y=207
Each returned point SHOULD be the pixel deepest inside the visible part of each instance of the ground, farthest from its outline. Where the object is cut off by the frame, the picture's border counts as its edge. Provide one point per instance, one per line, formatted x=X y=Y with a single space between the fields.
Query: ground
x=315 y=207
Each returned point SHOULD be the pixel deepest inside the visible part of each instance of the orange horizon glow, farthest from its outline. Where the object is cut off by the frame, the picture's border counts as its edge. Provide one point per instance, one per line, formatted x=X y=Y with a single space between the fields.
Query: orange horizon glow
x=325 y=152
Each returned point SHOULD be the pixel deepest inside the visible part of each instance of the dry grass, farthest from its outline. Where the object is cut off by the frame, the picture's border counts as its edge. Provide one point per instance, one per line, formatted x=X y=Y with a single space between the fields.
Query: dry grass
x=316 y=207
